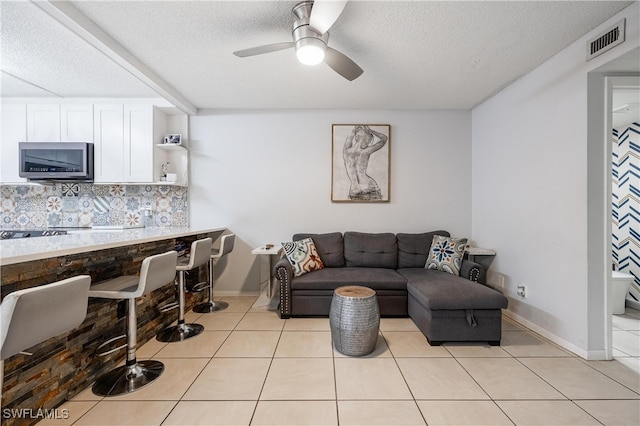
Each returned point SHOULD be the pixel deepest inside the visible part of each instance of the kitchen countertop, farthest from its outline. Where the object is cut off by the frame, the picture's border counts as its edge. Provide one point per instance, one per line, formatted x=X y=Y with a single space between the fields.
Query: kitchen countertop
x=81 y=241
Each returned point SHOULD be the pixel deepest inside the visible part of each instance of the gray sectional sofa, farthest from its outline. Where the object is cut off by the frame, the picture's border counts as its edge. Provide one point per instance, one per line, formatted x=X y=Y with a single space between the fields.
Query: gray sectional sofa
x=445 y=307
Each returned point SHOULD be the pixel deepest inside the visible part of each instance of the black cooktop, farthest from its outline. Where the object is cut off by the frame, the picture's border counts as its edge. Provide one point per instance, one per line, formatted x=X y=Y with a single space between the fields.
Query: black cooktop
x=8 y=234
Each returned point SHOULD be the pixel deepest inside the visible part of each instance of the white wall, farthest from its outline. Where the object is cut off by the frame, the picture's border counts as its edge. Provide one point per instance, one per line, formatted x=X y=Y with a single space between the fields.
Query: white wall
x=531 y=191
x=267 y=174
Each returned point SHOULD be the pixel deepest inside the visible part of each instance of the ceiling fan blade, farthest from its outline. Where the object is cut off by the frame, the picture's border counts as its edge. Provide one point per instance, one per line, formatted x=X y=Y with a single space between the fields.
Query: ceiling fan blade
x=341 y=64
x=267 y=48
x=324 y=13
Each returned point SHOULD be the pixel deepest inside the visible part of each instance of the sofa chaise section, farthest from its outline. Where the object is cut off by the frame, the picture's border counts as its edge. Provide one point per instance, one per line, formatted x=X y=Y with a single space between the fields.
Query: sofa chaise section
x=449 y=309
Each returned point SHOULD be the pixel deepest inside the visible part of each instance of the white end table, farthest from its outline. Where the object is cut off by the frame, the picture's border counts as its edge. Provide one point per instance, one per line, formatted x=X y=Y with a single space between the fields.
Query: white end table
x=269 y=252
x=482 y=256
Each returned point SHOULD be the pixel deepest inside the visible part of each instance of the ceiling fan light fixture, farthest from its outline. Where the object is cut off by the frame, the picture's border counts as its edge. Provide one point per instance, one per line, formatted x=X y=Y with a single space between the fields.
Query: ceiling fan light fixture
x=310 y=51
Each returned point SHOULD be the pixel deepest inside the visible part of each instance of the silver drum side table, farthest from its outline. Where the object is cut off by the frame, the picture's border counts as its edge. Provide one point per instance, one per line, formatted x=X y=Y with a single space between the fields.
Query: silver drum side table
x=354 y=318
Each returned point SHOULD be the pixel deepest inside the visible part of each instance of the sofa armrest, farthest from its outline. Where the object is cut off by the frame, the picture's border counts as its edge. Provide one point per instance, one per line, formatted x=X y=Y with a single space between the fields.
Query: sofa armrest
x=283 y=271
x=472 y=271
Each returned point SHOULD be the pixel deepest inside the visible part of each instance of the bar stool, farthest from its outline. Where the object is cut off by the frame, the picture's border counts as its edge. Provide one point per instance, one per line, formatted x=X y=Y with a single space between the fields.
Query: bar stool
x=226 y=246
x=155 y=272
x=199 y=255
x=34 y=315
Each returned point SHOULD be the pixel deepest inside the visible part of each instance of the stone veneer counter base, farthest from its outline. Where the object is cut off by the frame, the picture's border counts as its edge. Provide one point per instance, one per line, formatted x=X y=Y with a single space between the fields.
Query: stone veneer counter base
x=82 y=241
x=63 y=366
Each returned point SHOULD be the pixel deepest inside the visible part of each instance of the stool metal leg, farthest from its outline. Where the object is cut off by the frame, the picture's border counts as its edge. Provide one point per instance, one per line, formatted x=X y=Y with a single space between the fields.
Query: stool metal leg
x=181 y=331
x=133 y=375
x=210 y=305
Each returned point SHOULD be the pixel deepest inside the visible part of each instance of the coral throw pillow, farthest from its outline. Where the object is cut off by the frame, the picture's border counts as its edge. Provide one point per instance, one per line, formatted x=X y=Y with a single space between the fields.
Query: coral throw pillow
x=446 y=254
x=303 y=256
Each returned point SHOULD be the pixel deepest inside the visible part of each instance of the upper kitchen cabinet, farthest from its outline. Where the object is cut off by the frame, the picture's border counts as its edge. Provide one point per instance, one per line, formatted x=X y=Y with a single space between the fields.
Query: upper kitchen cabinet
x=125 y=133
x=125 y=136
x=108 y=140
x=43 y=123
x=40 y=122
x=76 y=122
x=59 y=123
x=123 y=139
x=14 y=130
x=138 y=143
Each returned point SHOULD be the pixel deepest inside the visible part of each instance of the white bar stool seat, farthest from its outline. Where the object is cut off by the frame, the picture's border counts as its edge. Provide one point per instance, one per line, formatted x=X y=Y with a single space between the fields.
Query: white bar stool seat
x=156 y=271
x=34 y=315
x=226 y=246
x=199 y=255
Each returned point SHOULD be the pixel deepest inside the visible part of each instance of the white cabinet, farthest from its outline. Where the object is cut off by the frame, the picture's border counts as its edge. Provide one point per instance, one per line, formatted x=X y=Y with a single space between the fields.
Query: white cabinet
x=138 y=143
x=59 y=123
x=43 y=123
x=76 y=122
x=124 y=136
x=108 y=140
x=14 y=130
x=123 y=143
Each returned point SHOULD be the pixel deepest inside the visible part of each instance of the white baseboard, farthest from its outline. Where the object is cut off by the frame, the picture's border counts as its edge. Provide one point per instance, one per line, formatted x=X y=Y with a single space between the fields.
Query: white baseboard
x=597 y=355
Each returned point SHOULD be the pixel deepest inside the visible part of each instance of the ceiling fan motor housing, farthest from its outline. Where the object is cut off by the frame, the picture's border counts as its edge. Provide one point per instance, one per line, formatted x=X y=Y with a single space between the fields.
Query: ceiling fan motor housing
x=302 y=33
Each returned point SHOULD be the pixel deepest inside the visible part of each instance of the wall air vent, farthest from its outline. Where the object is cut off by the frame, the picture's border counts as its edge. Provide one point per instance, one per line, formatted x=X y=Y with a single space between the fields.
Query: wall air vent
x=608 y=40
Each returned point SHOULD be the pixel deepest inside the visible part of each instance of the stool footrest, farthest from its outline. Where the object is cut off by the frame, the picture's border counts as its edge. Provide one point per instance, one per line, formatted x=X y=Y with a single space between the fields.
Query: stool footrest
x=209 y=307
x=169 y=306
x=108 y=342
x=199 y=287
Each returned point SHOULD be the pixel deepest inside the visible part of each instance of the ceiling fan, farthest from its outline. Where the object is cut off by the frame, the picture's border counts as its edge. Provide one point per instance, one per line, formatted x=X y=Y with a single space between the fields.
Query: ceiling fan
x=310 y=35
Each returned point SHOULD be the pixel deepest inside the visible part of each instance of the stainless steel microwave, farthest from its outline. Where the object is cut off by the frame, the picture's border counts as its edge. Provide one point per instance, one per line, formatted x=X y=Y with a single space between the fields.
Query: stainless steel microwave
x=56 y=160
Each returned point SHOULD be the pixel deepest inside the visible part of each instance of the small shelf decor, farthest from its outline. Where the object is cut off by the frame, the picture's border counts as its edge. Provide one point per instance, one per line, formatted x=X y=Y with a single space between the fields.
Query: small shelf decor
x=172 y=139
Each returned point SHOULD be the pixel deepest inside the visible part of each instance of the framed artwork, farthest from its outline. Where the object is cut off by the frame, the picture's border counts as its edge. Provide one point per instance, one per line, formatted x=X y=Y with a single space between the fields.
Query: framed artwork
x=173 y=139
x=360 y=163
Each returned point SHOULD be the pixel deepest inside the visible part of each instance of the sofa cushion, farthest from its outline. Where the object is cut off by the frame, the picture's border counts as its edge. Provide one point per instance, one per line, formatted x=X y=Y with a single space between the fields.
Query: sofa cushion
x=446 y=254
x=332 y=278
x=413 y=249
x=330 y=247
x=440 y=290
x=303 y=256
x=371 y=250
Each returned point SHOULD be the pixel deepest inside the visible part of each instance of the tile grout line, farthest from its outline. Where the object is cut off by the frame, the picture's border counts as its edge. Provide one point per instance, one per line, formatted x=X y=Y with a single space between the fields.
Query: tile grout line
x=413 y=397
x=480 y=386
x=335 y=376
x=203 y=368
x=266 y=376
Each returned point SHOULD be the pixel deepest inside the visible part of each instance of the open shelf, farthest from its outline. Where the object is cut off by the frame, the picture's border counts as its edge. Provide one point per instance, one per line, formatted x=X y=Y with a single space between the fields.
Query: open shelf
x=170 y=147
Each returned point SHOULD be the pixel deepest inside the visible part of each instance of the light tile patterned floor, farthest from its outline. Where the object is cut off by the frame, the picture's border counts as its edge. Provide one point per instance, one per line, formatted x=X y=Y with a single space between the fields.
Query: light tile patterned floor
x=251 y=368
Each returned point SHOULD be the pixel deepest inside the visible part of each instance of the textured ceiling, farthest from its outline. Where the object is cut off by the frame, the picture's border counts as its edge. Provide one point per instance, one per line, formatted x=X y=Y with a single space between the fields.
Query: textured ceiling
x=415 y=55
x=39 y=50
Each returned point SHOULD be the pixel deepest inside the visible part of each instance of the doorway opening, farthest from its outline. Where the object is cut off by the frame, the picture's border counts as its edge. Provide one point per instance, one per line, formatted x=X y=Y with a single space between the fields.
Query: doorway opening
x=624 y=285
x=622 y=272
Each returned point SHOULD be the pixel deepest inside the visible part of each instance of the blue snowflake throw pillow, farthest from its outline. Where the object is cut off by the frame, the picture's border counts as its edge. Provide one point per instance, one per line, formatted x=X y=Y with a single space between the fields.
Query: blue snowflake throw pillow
x=446 y=254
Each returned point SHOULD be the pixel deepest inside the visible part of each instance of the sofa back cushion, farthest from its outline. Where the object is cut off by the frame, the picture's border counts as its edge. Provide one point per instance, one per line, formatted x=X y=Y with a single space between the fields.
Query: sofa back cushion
x=371 y=250
x=330 y=247
x=413 y=249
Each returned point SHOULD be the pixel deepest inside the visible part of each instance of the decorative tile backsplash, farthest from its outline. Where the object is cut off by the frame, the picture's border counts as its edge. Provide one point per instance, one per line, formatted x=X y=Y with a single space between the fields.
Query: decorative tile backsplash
x=86 y=205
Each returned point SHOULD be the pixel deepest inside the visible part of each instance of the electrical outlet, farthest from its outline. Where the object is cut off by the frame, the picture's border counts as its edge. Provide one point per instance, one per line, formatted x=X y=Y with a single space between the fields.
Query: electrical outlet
x=522 y=290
